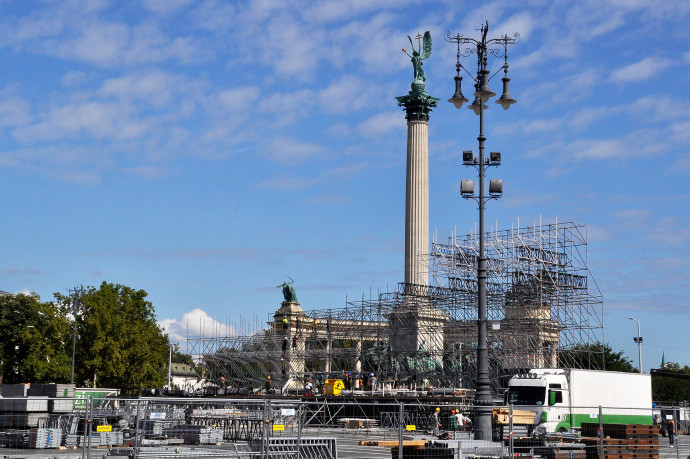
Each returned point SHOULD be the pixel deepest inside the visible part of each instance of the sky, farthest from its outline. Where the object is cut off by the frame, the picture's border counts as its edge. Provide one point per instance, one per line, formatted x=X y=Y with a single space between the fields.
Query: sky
x=205 y=150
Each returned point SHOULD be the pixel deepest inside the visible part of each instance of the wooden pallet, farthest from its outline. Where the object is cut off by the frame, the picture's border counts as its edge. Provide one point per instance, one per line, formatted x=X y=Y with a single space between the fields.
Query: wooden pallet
x=622 y=441
x=631 y=456
x=590 y=429
x=393 y=443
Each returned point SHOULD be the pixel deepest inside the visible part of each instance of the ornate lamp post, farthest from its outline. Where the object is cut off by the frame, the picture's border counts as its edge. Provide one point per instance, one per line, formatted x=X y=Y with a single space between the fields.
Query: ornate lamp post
x=483 y=47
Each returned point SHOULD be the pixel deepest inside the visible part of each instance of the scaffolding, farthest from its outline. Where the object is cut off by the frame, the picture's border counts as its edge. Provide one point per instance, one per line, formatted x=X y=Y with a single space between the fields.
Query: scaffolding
x=543 y=306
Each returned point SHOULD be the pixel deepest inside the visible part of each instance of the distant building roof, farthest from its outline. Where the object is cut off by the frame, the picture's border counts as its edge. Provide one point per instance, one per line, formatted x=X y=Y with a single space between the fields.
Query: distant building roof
x=182 y=369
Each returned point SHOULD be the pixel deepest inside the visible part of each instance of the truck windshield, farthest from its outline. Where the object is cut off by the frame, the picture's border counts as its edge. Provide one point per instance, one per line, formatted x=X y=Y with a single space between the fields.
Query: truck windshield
x=528 y=395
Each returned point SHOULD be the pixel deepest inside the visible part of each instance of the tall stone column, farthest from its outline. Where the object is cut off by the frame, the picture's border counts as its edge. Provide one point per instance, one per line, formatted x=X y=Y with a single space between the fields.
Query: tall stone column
x=416 y=327
x=417 y=105
x=417 y=202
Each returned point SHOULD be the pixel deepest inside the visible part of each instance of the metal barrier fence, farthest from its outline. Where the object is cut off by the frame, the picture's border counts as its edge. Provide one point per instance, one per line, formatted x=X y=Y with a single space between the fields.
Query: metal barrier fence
x=325 y=428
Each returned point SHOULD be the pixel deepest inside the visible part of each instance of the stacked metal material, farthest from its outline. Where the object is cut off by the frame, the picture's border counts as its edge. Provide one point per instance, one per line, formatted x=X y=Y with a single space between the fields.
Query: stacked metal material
x=72 y=440
x=45 y=438
x=112 y=438
x=15 y=390
x=195 y=435
x=17 y=439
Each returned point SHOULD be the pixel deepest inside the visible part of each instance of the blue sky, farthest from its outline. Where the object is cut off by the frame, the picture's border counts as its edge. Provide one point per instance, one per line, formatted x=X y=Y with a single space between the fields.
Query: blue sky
x=205 y=150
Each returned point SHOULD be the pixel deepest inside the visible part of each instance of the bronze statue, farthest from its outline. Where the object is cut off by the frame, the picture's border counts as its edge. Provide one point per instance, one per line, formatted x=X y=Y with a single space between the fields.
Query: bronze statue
x=417 y=56
x=289 y=291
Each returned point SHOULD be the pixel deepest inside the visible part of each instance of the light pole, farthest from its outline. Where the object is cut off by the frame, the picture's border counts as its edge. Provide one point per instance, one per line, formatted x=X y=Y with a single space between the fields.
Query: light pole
x=75 y=306
x=482 y=48
x=638 y=340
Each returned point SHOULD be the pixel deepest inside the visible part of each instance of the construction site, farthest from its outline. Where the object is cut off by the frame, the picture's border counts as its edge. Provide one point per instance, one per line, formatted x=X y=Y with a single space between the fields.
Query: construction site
x=544 y=311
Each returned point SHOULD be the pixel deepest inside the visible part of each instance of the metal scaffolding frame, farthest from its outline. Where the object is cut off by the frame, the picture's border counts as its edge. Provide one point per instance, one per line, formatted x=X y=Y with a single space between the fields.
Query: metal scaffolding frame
x=544 y=307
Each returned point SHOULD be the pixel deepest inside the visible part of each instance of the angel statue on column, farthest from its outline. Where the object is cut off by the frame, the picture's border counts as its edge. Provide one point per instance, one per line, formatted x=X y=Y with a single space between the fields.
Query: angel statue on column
x=418 y=56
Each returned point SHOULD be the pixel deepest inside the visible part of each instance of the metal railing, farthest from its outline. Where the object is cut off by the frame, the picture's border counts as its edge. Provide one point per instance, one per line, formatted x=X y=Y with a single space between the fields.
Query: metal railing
x=322 y=428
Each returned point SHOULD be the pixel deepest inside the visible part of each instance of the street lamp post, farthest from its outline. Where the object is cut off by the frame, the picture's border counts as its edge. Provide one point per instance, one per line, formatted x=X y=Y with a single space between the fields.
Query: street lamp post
x=75 y=307
x=482 y=48
x=638 y=340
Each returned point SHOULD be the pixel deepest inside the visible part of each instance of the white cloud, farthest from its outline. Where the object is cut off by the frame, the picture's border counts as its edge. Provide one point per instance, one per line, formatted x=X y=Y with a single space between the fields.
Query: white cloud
x=599 y=149
x=347 y=93
x=240 y=99
x=166 y=6
x=99 y=43
x=193 y=324
x=291 y=48
x=287 y=108
x=286 y=150
x=73 y=78
x=95 y=118
x=155 y=88
x=331 y=11
x=328 y=199
x=216 y=15
x=14 y=111
x=659 y=107
x=639 y=71
x=522 y=23
x=549 y=125
x=288 y=183
x=382 y=124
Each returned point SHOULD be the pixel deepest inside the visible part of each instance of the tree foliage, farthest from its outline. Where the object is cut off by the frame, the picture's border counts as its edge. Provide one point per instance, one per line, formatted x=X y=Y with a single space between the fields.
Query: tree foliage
x=597 y=356
x=119 y=342
x=669 y=388
x=34 y=335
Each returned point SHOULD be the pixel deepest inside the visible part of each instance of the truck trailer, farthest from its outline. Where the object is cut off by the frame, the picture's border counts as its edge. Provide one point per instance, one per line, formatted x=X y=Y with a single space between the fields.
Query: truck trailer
x=562 y=399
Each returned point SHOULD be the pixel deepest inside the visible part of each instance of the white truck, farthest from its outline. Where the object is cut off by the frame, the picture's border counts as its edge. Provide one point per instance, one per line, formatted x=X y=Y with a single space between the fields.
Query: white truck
x=562 y=399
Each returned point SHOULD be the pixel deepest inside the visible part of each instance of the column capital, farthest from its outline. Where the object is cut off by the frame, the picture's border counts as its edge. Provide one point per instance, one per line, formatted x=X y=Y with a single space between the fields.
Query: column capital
x=418 y=103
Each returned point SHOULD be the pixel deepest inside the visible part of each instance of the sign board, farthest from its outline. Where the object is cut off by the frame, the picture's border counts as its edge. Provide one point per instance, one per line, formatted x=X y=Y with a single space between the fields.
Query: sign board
x=107 y=428
x=288 y=412
x=159 y=415
x=410 y=427
x=99 y=397
x=278 y=427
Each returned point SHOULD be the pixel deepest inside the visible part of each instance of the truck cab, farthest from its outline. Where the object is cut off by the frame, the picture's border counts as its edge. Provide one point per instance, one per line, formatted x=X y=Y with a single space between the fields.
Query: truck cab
x=544 y=392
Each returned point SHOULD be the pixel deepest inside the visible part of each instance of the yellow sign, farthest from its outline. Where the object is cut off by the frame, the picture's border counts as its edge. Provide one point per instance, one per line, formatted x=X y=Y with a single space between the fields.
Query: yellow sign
x=410 y=427
x=104 y=428
x=278 y=427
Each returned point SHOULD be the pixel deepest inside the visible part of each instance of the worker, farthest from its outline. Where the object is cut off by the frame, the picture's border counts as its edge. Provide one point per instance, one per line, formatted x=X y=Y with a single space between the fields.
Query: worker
x=283 y=366
x=671 y=428
x=286 y=323
x=437 y=420
x=294 y=342
x=308 y=388
x=348 y=381
x=452 y=421
x=269 y=385
x=460 y=420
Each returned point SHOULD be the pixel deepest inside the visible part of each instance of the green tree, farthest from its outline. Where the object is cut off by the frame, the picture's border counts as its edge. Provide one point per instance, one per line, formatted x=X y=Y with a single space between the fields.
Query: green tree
x=596 y=356
x=119 y=343
x=49 y=357
x=673 y=387
x=33 y=337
